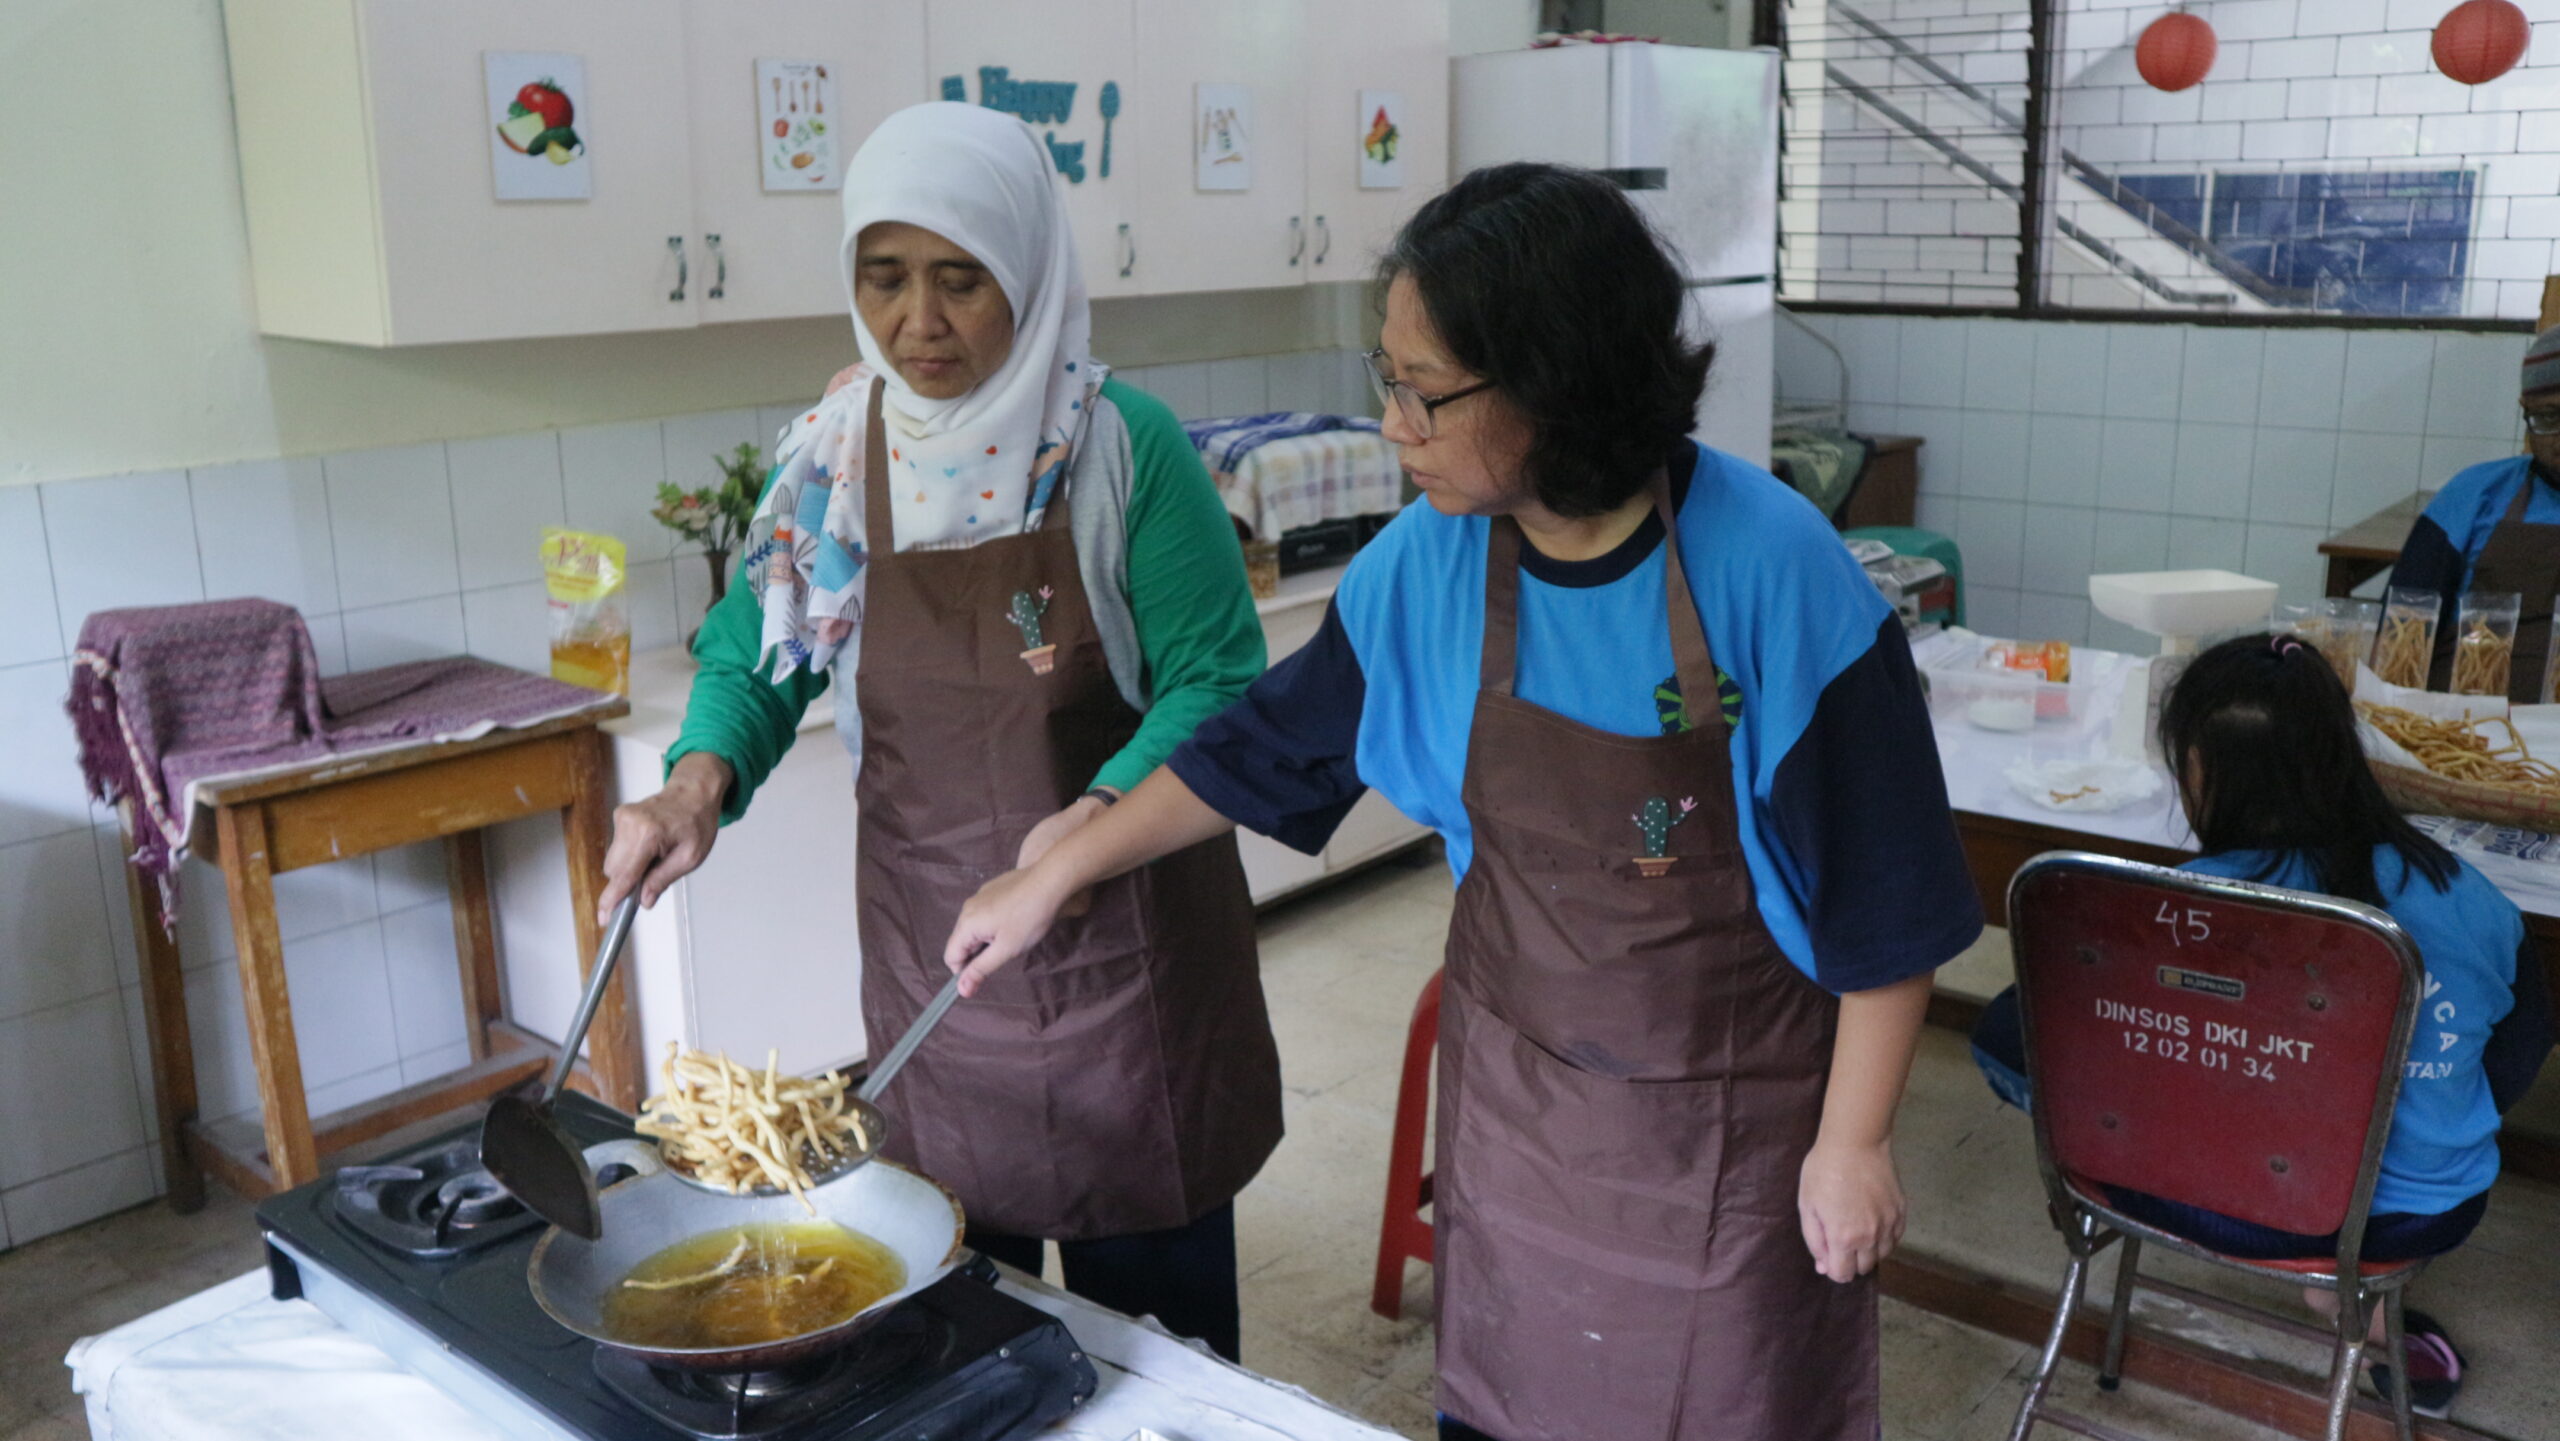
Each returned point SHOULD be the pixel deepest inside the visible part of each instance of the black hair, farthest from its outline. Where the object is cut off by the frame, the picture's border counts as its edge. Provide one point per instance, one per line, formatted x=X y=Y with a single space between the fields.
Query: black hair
x=2261 y=738
x=1545 y=281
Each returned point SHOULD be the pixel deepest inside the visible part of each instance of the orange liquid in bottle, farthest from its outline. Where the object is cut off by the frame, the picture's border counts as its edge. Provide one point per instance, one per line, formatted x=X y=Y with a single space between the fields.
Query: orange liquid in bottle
x=597 y=662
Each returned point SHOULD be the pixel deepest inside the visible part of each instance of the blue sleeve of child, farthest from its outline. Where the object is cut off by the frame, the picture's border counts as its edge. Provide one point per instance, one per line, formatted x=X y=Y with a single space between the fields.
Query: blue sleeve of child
x=2522 y=1037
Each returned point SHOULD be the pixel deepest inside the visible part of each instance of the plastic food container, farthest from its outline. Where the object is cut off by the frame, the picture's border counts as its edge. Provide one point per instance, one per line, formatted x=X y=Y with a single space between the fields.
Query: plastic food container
x=2406 y=644
x=1975 y=684
x=2484 y=642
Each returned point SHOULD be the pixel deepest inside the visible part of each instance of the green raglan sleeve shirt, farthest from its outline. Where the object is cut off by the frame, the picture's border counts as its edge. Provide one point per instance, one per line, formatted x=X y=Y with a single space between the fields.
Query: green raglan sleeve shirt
x=1197 y=627
x=1198 y=634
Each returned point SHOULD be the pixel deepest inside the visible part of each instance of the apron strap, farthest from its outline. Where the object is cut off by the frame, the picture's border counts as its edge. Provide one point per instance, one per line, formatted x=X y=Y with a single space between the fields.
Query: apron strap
x=1497 y=664
x=2524 y=495
x=1690 y=657
x=876 y=526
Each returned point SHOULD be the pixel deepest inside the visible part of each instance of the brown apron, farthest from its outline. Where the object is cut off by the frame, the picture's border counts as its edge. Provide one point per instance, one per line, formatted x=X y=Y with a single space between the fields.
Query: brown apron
x=1631 y=1073
x=2522 y=558
x=1121 y=1077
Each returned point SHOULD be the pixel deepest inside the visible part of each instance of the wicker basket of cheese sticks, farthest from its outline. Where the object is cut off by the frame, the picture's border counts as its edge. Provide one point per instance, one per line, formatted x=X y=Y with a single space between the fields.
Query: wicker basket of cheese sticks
x=2476 y=770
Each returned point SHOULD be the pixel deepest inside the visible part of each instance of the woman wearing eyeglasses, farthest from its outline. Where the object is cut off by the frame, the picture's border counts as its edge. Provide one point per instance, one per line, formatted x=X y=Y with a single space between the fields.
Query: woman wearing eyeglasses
x=2496 y=528
x=1675 y=745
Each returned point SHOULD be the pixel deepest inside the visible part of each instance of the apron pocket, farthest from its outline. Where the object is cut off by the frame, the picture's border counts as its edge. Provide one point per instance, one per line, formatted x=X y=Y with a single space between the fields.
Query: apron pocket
x=1628 y=1166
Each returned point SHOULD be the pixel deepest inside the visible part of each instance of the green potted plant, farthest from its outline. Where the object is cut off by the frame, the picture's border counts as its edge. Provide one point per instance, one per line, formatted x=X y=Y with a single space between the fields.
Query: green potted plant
x=716 y=515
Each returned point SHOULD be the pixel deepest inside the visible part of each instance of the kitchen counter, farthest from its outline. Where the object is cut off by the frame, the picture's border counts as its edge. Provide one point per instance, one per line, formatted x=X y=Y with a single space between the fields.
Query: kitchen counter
x=233 y=1362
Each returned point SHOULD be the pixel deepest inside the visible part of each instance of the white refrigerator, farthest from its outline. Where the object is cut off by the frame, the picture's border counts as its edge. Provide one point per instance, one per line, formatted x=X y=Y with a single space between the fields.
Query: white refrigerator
x=1692 y=135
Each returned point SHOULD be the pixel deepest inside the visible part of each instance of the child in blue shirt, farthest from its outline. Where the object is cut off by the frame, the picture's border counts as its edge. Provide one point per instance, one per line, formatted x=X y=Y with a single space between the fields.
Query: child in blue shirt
x=2276 y=787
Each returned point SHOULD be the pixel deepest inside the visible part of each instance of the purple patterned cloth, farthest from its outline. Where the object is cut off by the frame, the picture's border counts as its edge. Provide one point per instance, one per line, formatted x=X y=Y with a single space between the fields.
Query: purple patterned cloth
x=168 y=696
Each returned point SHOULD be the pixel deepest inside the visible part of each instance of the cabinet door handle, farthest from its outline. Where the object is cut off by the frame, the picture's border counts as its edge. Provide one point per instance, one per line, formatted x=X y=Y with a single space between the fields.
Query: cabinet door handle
x=719 y=269
x=1297 y=238
x=1324 y=240
x=676 y=244
x=1128 y=251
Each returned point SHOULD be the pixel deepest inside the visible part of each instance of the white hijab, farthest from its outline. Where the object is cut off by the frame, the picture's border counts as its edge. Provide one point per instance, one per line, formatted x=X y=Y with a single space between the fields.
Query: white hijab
x=972 y=468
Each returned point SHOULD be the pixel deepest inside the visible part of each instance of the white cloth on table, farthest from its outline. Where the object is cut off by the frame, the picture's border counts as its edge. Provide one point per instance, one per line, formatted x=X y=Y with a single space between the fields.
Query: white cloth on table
x=1281 y=485
x=231 y=1363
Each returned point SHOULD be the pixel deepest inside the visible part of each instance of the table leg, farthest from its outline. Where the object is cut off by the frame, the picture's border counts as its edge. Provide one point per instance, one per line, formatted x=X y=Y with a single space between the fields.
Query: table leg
x=475 y=937
x=164 y=1018
x=291 y=1157
x=613 y=1042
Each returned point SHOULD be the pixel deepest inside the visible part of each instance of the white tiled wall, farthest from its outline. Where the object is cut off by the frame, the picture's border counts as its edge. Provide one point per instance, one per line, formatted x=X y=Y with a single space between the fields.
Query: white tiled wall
x=391 y=555
x=2057 y=450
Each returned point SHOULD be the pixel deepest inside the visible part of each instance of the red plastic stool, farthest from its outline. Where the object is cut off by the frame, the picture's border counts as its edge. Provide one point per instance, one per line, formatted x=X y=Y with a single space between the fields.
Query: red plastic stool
x=1402 y=1233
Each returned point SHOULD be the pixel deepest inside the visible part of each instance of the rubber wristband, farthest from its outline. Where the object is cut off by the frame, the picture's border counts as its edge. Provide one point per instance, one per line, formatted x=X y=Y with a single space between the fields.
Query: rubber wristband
x=1107 y=797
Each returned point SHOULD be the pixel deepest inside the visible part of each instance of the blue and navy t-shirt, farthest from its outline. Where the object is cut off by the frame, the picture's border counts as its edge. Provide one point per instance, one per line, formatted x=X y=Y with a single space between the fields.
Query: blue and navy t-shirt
x=2445 y=544
x=1853 y=851
x=2443 y=1148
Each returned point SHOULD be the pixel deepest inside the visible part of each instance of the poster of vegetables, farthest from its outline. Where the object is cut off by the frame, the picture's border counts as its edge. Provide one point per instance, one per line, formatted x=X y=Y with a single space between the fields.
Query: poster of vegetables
x=1381 y=140
x=795 y=125
x=535 y=104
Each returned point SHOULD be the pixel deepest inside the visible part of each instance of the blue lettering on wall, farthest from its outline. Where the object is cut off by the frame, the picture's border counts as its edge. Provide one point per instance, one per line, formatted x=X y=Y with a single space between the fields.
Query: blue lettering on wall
x=1038 y=102
x=955 y=88
x=1069 y=156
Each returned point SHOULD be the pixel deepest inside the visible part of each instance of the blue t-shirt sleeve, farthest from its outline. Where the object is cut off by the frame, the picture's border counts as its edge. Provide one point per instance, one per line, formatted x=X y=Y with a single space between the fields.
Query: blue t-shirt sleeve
x=1861 y=804
x=1280 y=759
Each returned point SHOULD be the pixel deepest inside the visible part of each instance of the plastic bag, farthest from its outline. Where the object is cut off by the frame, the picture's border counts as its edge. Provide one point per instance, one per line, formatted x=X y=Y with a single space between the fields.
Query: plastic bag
x=584 y=576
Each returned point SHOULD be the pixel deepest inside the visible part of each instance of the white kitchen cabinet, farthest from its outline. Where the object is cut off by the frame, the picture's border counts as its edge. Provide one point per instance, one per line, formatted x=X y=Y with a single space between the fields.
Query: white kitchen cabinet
x=364 y=137
x=1061 y=65
x=758 y=948
x=1195 y=239
x=763 y=255
x=1400 y=46
x=365 y=161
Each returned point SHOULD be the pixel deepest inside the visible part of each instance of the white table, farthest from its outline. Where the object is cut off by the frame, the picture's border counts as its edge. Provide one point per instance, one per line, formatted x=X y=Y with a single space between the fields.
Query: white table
x=1975 y=760
x=232 y=1363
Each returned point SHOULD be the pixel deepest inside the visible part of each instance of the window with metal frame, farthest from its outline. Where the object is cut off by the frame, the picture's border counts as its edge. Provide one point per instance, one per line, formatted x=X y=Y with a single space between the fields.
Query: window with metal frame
x=2007 y=154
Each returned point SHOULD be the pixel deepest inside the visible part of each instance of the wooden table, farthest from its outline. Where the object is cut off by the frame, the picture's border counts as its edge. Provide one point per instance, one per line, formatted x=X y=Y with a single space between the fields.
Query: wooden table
x=2370 y=546
x=265 y=824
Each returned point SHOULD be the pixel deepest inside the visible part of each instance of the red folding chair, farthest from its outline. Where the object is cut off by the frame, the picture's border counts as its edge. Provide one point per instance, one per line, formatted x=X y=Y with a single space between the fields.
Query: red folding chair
x=2227 y=1046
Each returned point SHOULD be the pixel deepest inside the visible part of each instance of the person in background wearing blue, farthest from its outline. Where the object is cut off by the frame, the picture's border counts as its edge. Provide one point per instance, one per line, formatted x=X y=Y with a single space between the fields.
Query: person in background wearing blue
x=1676 y=748
x=2276 y=787
x=2496 y=528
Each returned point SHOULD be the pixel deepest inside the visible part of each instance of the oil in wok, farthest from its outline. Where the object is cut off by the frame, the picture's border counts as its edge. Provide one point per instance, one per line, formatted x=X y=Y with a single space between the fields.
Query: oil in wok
x=750 y=1286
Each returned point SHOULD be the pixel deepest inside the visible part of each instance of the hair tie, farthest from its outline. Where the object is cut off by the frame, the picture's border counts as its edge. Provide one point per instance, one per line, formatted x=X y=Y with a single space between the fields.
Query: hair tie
x=2283 y=645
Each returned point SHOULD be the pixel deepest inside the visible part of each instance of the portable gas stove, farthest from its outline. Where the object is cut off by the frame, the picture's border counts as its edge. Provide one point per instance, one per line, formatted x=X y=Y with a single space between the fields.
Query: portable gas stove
x=423 y=1254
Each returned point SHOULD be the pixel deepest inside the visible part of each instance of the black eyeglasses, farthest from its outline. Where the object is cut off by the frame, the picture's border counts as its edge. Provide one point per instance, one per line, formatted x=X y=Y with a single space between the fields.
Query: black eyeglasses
x=1416 y=406
x=2542 y=419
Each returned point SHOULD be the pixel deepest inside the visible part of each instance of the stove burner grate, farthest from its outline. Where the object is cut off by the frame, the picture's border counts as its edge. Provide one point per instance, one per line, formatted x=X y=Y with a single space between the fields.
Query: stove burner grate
x=434 y=1201
x=731 y=1406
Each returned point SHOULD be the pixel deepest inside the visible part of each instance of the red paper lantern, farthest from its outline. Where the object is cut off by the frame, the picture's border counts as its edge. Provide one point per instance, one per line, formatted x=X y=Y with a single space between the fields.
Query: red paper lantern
x=2479 y=40
x=2175 y=51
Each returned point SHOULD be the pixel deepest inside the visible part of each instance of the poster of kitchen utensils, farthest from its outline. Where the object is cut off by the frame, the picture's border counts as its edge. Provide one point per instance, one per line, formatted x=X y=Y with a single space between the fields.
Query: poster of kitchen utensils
x=1222 y=137
x=537 y=101
x=796 y=114
x=1381 y=140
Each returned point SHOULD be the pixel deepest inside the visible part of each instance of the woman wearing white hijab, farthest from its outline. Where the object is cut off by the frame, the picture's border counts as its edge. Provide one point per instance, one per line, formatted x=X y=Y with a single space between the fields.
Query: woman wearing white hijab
x=1018 y=658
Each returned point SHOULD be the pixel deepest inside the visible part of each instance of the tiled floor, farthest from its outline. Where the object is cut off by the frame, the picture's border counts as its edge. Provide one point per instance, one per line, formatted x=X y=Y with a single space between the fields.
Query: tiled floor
x=1342 y=969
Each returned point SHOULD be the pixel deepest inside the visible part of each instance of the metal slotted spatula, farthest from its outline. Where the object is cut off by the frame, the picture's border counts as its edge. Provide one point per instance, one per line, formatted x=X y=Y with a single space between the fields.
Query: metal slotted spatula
x=522 y=1144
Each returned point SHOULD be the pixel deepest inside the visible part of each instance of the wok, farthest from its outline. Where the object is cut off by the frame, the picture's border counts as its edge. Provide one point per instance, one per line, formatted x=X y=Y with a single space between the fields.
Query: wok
x=914 y=1217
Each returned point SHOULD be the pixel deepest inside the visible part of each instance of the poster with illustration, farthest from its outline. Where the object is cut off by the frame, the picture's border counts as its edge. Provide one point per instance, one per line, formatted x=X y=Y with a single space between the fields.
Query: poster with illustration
x=1381 y=140
x=535 y=100
x=795 y=125
x=1222 y=137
